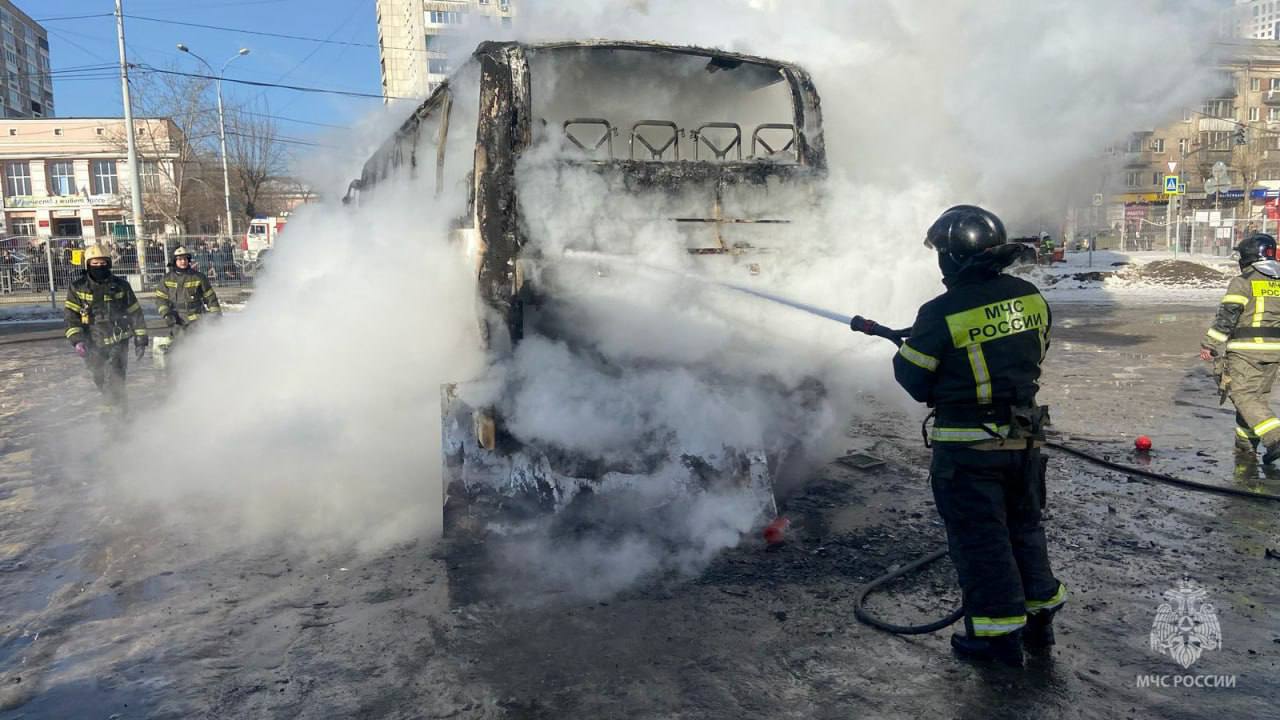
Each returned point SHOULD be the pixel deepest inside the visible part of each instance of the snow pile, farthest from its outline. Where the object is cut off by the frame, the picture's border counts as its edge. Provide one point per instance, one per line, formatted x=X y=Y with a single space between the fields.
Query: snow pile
x=1145 y=277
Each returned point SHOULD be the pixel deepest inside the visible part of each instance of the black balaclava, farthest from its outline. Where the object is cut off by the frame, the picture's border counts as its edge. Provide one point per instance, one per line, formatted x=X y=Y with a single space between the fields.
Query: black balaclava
x=100 y=274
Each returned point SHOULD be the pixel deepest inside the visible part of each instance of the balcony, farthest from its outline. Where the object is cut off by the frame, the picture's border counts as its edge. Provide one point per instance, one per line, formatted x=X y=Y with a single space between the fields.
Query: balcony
x=1139 y=159
x=1271 y=97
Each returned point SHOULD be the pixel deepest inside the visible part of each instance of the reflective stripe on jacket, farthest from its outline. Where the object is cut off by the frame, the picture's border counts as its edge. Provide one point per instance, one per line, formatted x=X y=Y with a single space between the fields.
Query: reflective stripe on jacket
x=974 y=352
x=102 y=313
x=1248 y=318
x=188 y=294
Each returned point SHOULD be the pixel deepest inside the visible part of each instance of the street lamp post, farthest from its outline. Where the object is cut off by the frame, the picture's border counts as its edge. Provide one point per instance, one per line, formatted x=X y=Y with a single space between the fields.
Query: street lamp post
x=222 y=128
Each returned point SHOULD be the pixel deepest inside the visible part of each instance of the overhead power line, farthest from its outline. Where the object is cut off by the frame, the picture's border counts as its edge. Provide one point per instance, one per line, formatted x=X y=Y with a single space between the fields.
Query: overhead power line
x=257 y=83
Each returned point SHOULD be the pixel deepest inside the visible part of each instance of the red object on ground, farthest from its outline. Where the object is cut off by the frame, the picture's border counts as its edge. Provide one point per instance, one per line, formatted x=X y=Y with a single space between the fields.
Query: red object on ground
x=776 y=531
x=1142 y=444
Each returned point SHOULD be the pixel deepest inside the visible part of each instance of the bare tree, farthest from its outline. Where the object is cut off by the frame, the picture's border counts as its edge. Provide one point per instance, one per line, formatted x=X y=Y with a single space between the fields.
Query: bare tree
x=173 y=158
x=257 y=157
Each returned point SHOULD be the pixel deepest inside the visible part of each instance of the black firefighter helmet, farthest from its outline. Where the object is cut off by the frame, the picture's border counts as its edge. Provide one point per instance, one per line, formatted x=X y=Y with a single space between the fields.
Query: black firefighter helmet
x=967 y=236
x=1258 y=246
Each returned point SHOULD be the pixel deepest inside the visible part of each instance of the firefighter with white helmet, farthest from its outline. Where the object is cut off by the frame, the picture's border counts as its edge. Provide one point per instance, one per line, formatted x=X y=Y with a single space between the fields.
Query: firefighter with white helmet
x=185 y=295
x=102 y=313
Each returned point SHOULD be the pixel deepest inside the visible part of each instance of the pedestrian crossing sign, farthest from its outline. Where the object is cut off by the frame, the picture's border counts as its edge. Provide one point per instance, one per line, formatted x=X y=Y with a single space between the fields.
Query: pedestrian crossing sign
x=1170 y=184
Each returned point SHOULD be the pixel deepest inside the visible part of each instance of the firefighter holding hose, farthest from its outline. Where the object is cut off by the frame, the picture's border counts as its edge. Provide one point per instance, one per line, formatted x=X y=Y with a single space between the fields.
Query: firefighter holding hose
x=974 y=355
x=1244 y=344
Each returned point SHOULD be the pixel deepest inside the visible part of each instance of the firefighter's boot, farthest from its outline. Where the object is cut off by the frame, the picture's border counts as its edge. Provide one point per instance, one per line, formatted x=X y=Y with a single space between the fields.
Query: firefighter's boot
x=1037 y=636
x=1005 y=649
x=1272 y=454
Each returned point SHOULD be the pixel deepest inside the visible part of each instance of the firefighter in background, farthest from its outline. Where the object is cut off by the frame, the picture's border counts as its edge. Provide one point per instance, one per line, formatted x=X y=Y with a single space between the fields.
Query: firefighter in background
x=1244 y=344
x=974 y=355
x=185 y=296
x=102 y=313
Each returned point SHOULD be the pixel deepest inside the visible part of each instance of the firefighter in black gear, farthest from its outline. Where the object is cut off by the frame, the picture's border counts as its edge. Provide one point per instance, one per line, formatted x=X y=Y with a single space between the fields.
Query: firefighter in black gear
x=974 y=355
x=1244 y=344
x=102 y=313
x=185 y=295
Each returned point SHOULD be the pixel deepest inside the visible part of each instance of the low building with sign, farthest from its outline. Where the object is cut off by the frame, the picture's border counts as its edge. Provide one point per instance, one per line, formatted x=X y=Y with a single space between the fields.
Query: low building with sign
x=69 y=177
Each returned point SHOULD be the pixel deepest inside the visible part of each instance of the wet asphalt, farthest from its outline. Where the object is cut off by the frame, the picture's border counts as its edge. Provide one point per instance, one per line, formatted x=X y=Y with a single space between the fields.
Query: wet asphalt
x=109 y=614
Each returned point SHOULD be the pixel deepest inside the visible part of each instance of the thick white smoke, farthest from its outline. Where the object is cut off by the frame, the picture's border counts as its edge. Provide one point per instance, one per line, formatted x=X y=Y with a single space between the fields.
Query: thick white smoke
x=314 y=414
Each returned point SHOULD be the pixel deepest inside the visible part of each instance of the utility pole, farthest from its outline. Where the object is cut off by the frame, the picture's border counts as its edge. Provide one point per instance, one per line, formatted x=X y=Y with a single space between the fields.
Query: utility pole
x=135 y=181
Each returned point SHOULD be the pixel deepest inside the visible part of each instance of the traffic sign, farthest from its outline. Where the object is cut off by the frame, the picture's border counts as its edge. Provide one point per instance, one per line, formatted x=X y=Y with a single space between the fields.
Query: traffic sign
x=1171 y=184
x=1097 y=200
x=1173 y=166
x=1182 y=188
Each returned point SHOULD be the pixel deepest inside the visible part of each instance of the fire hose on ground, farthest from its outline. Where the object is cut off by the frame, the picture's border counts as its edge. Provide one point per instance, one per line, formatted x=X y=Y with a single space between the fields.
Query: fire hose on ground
x=859 y=609
x=872 y=328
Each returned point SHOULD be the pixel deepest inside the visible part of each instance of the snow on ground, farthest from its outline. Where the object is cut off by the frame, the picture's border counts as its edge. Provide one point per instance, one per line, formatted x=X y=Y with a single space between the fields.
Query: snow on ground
x=1135 y=277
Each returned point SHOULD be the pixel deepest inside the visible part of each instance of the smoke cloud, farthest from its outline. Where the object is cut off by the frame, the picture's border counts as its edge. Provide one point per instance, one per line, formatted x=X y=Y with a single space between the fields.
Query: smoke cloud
x=313 y=414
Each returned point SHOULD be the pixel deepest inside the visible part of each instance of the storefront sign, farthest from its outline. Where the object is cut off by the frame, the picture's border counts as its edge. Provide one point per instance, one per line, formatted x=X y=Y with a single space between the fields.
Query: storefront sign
x=64 y=201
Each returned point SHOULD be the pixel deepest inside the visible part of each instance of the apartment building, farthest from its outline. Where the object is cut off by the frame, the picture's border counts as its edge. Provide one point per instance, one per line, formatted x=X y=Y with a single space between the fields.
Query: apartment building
x=28 y=85
x=69 y=177
x=419 y=39
x=1238 y=125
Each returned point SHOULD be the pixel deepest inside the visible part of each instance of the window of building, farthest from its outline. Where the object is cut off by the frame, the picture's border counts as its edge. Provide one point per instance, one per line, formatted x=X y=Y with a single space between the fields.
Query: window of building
x=1255 y=84
x=1255 y=114
x=1220 y=108
x=445 y=17
x=1273 y=114
x=57 y=131
x=104 y=177
x=22 y=226
x=505 y=5
x=506 y=22
x=1157 y=178
x=17 y=179
x=150 y=172
x=1217 y=140
x=1275 y=84
x=438 y=67
x=1132 y=178
x=1186 y=115
x=1157 y=145
x=1183 y=144
x=62 y=177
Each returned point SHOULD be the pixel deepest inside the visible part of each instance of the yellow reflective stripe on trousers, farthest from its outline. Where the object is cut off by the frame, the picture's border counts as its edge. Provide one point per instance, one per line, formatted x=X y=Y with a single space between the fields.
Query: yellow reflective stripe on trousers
x=1059 y=597
x=1235 y=300
x=134 y=307
x=917 y=358
x=74 y=331
x=1266 y=426
x=1250 y=345
x=1216 y=336
x=140 y=332
x=1245 y=433
x=115 y=338
x=989 y=626
x=968 y=434
x=981 y=376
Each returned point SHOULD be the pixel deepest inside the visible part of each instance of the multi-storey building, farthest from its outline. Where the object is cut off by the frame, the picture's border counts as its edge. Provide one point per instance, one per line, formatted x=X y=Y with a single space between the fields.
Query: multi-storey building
x=28 y=84
x=417 y=39
x=69 y=177
x=1238 y=125
x=1256 y=19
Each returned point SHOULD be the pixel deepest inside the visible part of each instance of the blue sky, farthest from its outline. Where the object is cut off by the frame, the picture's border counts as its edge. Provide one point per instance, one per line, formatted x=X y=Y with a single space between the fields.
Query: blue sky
x=92 y=41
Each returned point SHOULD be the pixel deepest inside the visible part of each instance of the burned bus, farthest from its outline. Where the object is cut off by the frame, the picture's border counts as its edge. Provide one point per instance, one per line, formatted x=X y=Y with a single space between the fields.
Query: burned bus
x=542 y=145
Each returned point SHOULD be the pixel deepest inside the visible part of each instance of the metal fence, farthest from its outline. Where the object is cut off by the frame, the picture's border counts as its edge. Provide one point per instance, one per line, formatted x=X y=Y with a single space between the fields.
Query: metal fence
x=34 y=270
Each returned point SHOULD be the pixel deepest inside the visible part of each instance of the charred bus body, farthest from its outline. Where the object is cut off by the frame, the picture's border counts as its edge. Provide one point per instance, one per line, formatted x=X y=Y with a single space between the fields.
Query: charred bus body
x=725 y=149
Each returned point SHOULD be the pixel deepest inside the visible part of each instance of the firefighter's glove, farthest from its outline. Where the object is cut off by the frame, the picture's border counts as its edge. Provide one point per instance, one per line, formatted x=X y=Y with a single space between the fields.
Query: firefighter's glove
x=139 y=346
x=82 y=349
